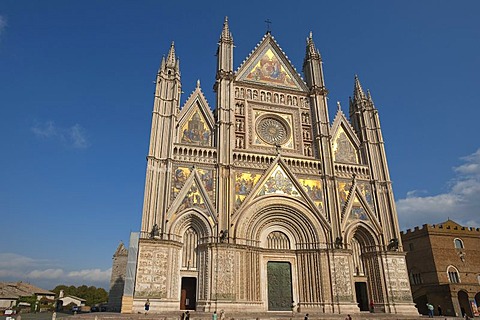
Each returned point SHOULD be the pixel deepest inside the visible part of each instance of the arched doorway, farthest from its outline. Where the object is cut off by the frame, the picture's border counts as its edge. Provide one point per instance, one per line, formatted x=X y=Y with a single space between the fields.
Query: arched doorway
x=464 y=304
x=365 y=261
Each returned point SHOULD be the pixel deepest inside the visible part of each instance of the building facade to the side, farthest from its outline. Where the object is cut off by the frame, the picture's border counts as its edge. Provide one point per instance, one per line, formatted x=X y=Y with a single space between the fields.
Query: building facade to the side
x=443 y=262
x=263 y=204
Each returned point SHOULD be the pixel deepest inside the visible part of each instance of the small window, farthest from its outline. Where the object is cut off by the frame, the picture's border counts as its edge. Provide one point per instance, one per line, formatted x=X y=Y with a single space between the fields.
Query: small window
x=458 y=243
x=410 y=246
x=453 y=276
x=416 y=278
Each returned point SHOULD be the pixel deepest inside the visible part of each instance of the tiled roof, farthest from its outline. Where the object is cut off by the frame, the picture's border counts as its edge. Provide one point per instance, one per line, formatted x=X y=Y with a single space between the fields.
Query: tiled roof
x=21 y=289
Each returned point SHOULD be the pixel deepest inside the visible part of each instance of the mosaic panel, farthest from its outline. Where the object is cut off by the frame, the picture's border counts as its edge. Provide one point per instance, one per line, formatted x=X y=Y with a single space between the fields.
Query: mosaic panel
x=314 y=190
x=343 y=192
x=366 y=190
x=244 y=183
x=181 y=174
x=357 y=212
x=196 y=131
x=343 y=148
x=278 y=183
x=269 y=69
x=193 y=199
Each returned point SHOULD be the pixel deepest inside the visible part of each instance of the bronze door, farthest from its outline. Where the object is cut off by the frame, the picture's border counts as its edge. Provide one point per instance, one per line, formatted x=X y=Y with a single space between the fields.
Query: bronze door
x=279 y=276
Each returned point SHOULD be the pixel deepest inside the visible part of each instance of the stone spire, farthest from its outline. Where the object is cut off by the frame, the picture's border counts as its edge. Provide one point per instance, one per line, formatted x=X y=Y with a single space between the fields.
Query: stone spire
x=358 y=94
x=312 y=51
x=226 y=35
x=171 y=56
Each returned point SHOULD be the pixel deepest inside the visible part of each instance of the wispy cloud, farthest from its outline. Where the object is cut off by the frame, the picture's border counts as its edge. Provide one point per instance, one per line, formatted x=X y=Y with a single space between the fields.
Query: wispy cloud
x=461 y=203
x=74 y=136
x=14 y=267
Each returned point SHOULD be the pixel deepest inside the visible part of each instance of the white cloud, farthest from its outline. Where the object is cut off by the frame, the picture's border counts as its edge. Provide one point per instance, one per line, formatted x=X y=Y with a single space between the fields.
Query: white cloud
x=14 y=267
x=461 y=203
x=74 y=136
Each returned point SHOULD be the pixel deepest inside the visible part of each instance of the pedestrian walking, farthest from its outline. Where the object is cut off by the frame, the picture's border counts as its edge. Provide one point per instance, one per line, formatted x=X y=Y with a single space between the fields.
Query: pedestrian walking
x=430 y=310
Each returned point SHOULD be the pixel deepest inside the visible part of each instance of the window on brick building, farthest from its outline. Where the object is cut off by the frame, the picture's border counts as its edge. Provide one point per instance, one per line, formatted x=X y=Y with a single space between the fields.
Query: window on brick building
x=453 y=275
x=410 y=246
x=458 y=243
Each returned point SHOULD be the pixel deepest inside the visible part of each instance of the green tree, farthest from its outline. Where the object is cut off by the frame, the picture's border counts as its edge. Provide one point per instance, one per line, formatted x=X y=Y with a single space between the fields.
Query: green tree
x=92 y=295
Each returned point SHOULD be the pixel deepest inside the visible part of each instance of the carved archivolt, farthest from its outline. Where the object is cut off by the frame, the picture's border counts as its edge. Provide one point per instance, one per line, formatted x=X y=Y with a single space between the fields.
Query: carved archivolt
x=278 y=213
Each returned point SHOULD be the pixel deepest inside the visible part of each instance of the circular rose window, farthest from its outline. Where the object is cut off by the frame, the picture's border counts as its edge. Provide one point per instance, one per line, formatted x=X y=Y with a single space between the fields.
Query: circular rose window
x=273 y=130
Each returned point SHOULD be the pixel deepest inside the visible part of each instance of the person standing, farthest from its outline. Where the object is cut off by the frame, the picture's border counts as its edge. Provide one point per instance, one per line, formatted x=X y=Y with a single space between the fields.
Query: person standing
x=440 y=313
x=187 y=315
x=306 y=317
x=147 y=306
x=348 y=317
x=214 y=315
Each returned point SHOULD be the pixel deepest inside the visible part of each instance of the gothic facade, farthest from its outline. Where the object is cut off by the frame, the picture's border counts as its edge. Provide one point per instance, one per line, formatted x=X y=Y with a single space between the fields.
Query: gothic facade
x=264 y=204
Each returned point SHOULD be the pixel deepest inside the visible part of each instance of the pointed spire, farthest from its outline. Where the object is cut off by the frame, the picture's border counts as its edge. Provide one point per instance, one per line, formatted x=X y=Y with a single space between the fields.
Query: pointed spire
x=311 y=49
x=171 y=61
x=162 y=64
x=226 y=35
x=358 y=93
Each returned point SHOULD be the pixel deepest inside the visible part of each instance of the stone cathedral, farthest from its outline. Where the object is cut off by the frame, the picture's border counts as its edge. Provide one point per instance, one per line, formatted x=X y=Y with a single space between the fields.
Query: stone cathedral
x=264 y=204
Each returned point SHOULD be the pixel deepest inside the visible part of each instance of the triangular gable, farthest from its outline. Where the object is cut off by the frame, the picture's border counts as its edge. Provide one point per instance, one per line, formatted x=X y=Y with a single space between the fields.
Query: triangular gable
x=345 y=143
x=278 y=183
x=193 y=195
x=358 y=209
x=196 y=121
x=268 y=65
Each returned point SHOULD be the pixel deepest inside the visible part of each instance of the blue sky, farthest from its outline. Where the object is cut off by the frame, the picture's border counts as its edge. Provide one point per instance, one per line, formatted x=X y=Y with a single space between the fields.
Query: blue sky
x=76 y=93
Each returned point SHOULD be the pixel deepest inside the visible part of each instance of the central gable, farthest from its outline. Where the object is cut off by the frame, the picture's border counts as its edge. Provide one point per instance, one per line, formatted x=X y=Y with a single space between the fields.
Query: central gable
x=268 y=65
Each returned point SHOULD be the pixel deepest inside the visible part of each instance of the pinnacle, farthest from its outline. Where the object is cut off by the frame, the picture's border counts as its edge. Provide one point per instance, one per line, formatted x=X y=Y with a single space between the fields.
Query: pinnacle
x=311 y=49
x=226 y=35
x=171 y=56
x=358 y=90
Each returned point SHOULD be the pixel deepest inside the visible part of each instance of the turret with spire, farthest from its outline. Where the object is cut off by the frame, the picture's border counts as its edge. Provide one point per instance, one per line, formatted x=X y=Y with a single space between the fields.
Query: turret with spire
x=165 y=110
x=366 y=122
x=225 y=134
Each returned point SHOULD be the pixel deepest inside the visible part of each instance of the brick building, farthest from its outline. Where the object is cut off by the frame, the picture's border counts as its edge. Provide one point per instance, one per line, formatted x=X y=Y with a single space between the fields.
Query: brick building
x=443 y=262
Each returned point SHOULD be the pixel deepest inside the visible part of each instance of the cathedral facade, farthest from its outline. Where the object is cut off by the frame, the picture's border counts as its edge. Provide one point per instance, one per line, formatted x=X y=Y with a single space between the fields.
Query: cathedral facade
x=264 y=204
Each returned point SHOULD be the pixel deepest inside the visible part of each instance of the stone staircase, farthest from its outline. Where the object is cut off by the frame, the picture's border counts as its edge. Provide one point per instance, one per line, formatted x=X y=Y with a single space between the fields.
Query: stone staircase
x=253 y=316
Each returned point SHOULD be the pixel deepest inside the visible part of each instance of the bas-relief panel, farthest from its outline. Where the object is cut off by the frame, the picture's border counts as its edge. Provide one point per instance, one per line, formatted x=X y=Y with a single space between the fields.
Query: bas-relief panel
x=399 y=286
x=152 y=272
x=196 y=131
x=224 y=266
x=278 y=183
x=181 y=174
x=342 y=285
x=269 y=69
x=244 y=183
x=343 y=148
x=314 y=190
